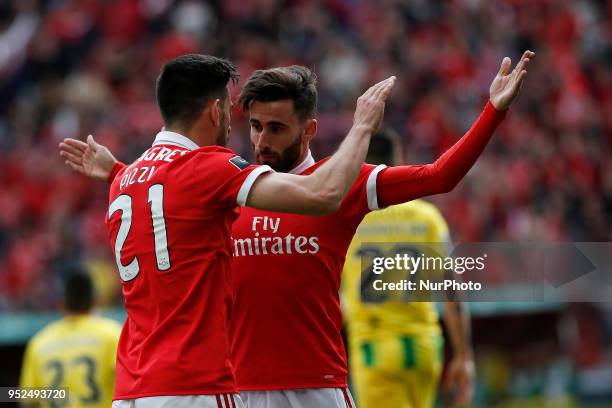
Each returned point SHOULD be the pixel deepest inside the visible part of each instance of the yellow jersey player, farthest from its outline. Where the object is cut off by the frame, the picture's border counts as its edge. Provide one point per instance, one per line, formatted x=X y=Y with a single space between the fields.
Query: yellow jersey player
x=396 y=346
x=76 y=353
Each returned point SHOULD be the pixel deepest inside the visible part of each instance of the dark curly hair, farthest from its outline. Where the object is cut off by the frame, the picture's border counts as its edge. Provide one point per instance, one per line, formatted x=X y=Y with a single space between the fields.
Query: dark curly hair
x=295 y=82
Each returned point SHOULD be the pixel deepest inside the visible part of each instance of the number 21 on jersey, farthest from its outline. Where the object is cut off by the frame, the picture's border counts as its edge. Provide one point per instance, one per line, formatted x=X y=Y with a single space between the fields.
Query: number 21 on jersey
x=123 y=203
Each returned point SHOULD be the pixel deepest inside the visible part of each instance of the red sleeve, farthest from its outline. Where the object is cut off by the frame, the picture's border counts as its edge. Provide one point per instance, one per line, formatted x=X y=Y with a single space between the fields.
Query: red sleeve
x=361 y=196
x=400 y=184
x=115 y=170
x=225 y=179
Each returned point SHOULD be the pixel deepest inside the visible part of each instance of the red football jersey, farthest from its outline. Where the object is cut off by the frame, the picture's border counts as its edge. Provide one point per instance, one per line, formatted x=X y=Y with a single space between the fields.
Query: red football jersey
x=285 y=328
x=169 y=221
x=286 y=321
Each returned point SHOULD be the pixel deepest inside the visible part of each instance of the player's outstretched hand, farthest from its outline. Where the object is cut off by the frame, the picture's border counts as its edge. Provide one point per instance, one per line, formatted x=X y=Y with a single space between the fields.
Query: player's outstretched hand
x=90 y=159
x=506 y=85
x=371 y=105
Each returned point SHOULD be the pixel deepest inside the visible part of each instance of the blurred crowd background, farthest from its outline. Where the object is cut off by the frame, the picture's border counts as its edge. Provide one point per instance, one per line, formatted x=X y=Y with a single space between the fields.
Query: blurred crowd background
x=69 y=68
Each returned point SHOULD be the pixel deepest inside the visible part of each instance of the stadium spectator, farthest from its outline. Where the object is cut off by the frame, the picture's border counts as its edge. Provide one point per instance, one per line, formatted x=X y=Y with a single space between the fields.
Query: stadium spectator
x=546 y=176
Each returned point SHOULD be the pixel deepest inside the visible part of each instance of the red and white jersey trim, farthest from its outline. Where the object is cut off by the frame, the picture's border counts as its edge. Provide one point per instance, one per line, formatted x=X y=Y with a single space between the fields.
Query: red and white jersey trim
x=306 y=163
x=166 y=137
x=243 y=193
x=228 y=401
x=183 y=401
x=371 y=187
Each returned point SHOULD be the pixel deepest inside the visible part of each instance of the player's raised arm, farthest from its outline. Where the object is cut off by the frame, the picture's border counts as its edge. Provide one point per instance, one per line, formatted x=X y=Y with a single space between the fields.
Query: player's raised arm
x=405 y=183
x=322 y=191
x=506 y=86
x=315 y=194
x=91 y=159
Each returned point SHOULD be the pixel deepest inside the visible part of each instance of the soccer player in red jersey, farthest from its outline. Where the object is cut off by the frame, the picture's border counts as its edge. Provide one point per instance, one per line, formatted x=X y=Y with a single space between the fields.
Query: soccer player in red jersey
x=169 y=219
x=285 y=328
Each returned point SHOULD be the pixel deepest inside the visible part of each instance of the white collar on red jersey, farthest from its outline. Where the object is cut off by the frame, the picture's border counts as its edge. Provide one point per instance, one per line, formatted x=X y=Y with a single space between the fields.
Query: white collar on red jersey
x=166 y=137
x=308 y=161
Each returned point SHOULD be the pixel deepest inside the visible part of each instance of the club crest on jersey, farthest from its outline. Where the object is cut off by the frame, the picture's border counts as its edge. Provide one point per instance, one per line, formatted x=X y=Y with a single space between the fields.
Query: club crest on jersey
x=239 y=162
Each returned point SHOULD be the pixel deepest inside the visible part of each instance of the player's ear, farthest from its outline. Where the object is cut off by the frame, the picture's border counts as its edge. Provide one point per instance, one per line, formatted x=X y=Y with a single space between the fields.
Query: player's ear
x=310 y=130
x=215 y=112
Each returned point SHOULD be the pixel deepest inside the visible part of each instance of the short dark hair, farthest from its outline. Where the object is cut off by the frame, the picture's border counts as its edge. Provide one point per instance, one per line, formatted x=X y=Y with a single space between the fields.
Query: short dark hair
x=295 y=82
x=188 y=82
x=383 y=148
x=78 y=291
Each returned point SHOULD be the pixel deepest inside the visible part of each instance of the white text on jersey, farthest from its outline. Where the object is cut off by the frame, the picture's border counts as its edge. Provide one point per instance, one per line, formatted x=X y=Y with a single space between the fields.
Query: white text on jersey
x=266 y=222
x=144 y=173
x=158 y=153
x=136 y=175
x=273 y=245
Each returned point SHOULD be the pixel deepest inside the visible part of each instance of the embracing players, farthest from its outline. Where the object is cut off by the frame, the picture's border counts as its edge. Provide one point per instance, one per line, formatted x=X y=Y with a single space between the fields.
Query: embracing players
x=285 y=327
x=169 y=219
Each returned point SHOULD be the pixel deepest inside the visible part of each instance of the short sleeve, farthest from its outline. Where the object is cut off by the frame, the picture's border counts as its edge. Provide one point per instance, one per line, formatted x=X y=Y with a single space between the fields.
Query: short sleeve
x=362 y=197
x=225 y=179
x=371 y=188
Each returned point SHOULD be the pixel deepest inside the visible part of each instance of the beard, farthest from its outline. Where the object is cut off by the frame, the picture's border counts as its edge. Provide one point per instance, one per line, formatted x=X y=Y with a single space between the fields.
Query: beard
x=283 y=161
x=223 y=134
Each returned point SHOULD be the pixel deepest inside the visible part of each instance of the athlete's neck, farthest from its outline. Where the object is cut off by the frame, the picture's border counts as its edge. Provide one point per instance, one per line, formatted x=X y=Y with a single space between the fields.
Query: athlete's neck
x=305 y=161
x=200 y=133
x=188 y=133
x=71 y=314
